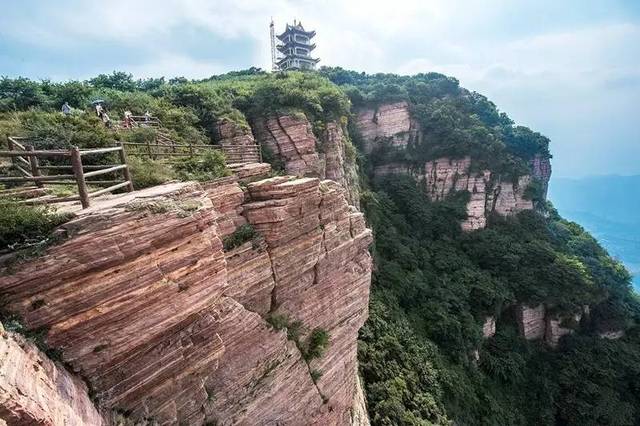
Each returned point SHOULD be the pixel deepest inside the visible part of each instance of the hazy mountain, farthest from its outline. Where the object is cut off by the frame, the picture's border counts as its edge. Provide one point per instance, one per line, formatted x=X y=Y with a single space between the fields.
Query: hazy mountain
x=609 y=208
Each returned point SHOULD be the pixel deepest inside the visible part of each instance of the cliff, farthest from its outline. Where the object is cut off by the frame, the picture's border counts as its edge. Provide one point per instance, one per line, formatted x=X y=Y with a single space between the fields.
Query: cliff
x=37 y=391
x=291 y=140
x=144 y=304
x=489 y=192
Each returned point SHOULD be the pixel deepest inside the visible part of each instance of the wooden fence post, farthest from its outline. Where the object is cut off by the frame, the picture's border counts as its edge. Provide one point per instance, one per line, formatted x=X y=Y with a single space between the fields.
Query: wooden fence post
x=35 y=167
x=76 y=163
x=125 y=171
x=10 y=146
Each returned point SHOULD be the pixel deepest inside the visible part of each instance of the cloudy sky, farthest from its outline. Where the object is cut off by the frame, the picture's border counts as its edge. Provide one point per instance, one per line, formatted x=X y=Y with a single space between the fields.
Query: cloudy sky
x=567 y=68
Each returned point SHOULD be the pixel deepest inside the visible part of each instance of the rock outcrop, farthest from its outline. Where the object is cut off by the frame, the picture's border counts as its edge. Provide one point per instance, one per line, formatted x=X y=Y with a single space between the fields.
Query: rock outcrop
x=489 y=327
x=539 y=322
x=230 y=133
x=388 y=123
x=144 y=304
x=37 y=391
x=489 y=193
x=291 y=140
x=559 y=326
x=531 y=321
x=541 y=170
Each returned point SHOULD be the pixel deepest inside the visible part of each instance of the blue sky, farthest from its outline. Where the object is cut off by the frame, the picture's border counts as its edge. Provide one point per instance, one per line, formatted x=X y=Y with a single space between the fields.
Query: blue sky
x=567 y=68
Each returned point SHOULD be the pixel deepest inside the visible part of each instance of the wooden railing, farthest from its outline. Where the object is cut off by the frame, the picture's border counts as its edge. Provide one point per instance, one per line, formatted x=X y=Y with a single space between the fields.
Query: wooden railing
x=80 y=173
x=143 y=120
x=159 y=149
x=165 y=146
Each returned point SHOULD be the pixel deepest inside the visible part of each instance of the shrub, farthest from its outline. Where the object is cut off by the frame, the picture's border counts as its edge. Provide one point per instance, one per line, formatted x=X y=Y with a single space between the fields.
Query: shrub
x=281 y=321
x=240 y=236
x=278 y=321
x=315 y=375
x=211 y=165
x=268 y=156
x=146 y=172
x=23 y=226
x=317 y=343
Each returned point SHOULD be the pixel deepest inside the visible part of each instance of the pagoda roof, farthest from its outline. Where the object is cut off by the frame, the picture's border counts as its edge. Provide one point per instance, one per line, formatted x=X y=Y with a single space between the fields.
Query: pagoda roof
x=297 y=28
x=284 y=46
x=301 y=57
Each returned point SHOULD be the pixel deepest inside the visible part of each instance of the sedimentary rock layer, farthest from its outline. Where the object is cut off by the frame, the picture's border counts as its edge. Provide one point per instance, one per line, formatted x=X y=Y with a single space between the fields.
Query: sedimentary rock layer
x=391 y=124
x=145 y=305
x=291 y=140
x=37 y=391
x=388 y=123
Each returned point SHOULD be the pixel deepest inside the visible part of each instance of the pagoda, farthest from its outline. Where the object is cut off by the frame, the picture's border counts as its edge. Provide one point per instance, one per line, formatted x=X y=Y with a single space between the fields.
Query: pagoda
x=295 y=46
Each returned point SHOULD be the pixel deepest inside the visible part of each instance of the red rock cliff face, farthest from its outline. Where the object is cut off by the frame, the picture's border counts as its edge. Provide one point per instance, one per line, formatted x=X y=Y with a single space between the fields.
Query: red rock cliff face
x=388 y=122
x=291 y=139
x=490 y=193
x=146 y=306
x=37 y=391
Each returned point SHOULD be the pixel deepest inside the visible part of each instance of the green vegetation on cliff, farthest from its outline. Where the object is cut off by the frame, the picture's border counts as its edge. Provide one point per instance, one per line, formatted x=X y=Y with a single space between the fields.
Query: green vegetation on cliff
x=454 y=121
x=433 y=285
x=422 y=353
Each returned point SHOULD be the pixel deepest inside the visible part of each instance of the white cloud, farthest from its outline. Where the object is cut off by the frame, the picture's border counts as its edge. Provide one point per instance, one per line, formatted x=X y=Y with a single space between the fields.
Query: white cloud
x=577 y=80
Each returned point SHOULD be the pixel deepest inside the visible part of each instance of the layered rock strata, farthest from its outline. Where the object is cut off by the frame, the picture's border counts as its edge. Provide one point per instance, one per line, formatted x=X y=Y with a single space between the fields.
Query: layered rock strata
x=290 y=139
x=392 y=125
x=489 y=327
x=559 y=326
x=388 y=123
x=37 y=391
x=538 y=323
x=145 y=305
x=229 y=133
x=531 y=321
x=488 y=194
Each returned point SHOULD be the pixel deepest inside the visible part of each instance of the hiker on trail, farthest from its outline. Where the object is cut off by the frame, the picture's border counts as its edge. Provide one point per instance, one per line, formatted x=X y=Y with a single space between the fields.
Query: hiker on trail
x=66 y=109
x=147 y=116
x=127 y=119
x=99 y=111
x=105 y=119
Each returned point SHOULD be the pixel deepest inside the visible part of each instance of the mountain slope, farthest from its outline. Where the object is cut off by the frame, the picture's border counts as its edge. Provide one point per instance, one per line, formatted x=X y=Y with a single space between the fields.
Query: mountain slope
x=487 y=307
x=608 y=207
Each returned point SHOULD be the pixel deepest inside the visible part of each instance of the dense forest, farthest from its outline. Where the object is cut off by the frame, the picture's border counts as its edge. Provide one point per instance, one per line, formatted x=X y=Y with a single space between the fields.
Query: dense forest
x=433 y=285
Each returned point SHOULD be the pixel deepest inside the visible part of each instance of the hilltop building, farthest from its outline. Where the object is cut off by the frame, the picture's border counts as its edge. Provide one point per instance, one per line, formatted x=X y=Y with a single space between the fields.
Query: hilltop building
x=295 y=46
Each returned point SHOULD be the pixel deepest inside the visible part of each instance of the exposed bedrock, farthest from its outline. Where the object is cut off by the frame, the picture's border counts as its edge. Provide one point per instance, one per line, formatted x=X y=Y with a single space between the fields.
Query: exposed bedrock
x=489 y=193
x=290 y=138
x=37 y=391
x=145 y=305
x=386 y=123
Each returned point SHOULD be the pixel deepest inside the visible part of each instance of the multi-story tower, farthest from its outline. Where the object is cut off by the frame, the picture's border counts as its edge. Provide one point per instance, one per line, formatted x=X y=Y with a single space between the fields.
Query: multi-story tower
x=295 y=46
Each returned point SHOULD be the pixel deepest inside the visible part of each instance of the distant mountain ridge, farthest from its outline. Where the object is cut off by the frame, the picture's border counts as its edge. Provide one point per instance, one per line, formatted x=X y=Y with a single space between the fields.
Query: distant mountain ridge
x=608 y=207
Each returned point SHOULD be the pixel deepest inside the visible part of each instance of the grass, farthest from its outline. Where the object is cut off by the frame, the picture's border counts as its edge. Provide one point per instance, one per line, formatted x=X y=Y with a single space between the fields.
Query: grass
x=240 y=236
x=312 y=347
x=146 y=172
x=208 y=166
x=24 y=227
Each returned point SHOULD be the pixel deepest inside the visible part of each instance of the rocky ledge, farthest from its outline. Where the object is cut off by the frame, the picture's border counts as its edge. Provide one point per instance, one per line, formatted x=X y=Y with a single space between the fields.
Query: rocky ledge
x=145 y=305
x=290 y=139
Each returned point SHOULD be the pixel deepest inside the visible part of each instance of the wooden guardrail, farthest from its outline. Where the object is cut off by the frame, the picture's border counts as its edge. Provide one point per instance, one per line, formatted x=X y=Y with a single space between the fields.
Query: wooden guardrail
x=80 y=173
x=157 y=149
x=164 y=145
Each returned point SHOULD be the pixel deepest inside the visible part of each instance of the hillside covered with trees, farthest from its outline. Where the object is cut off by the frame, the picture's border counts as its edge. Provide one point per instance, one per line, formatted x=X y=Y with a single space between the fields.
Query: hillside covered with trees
x=433 y=285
